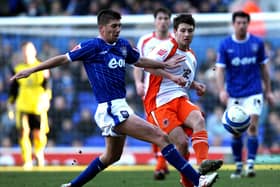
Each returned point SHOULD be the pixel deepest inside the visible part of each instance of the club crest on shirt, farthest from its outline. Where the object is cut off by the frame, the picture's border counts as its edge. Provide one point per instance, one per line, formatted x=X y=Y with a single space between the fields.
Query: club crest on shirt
x=161 y=52
x=254 y=47
x=76 y=48
x=165 y=122
x=124 y=51
x=124 y=114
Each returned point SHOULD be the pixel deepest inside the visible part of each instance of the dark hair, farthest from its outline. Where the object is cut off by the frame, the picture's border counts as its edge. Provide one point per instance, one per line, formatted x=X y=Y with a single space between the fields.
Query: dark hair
x=183 y=18
x=104 y=16
x=162 y=10
x=240 y=14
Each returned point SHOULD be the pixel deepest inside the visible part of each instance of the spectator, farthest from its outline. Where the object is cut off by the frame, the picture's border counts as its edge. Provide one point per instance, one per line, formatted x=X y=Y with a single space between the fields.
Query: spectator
x=58 y=112
x=272 y=132
x=67 y=135
x=86 y=125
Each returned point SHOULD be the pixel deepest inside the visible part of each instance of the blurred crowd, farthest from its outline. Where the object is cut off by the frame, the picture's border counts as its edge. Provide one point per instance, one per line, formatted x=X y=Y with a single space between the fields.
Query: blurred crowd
x=91 y=7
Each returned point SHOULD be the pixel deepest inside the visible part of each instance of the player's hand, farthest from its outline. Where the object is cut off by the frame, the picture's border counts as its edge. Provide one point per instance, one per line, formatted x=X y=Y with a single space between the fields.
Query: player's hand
x=180 y=80
x=199 y=87
x=21 y=74
x=270 y=98
x=11 y=111
x=223 y=95
x=174 y=61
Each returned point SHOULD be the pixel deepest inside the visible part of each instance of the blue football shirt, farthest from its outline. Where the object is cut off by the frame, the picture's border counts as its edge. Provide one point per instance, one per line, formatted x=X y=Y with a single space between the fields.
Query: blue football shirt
x=105 y=66
x=242 y=61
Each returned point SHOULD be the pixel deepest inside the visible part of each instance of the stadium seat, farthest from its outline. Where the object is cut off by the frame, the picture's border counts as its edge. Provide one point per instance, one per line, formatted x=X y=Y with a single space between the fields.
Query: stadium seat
x=96 y=141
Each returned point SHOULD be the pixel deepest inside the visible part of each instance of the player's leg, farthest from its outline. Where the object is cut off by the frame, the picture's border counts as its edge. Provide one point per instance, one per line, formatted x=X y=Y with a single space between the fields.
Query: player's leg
x=254 y=106
x=107 y=116
x=113 y=152
x=39 y=142
x=161 y=168
x=193 y=119
x=236 y=146
x=196 y=122
x=38 y=127
x=24 y=139
x=178 y=137
x=166 y=117
x=252 y=146
x=138 y=128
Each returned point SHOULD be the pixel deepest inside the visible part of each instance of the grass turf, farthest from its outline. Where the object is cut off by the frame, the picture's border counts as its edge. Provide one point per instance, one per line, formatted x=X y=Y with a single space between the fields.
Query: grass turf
x=127 y=177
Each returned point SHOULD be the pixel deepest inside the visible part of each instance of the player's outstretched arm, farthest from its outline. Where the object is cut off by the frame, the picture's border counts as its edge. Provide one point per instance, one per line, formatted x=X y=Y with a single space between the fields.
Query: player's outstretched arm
x=138 y=74
x=180 y=80
x=48 y=64
x=223 y=95
x=172 y=62
x=267 y=85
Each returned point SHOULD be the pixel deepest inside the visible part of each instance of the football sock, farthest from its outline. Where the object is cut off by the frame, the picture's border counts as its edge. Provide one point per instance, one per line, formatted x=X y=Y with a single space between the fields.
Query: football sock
x=252 y=145
x=239 y=166
x=90 y=172
x=237 y=146
x=155 y=149
x=26 y=149
x=161 y=163
x=184 y=180
x=250 y=164
x=200 y=145
x=175 y=159
x=39 y=144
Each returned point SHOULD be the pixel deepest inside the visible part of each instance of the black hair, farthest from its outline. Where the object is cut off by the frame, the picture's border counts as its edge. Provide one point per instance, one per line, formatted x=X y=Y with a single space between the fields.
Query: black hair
x=183 y=18
x=162 y=10
x=106 y=15
x=240 y=14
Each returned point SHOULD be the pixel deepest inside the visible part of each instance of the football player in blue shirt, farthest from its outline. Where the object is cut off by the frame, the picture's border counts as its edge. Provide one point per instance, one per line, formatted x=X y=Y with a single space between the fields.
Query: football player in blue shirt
x=104 y=59
x=242 y=67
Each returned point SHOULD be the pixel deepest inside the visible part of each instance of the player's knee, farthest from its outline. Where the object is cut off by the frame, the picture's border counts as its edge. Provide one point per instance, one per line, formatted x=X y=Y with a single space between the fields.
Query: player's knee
x=161 y=139
x=252 y=130
x=182 y=147
x=199 y=124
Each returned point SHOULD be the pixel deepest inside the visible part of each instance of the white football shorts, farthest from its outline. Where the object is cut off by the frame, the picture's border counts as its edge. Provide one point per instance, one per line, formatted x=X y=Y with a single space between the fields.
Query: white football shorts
x=253 y=104
x=110 y=114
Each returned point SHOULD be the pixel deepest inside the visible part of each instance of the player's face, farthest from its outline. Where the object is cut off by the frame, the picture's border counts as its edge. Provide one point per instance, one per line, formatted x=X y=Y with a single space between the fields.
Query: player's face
x=184 y=35
x=29 y=53
x=162 y=22
x=240 y=26
x=111 y=31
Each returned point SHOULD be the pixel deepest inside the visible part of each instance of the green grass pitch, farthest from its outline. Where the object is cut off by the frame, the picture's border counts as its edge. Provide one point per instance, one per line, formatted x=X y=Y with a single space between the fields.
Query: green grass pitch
x=128 y=176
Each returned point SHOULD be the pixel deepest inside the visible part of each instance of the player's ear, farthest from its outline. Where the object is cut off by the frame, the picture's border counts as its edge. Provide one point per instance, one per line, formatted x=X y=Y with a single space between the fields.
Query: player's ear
x=101 y=28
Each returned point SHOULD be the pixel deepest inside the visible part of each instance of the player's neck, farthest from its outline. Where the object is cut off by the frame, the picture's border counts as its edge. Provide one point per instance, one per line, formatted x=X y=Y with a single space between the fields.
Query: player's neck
x=183 y=47
x=240 y=37
x=162 y=35
x=30 y=60
x=106 y=40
